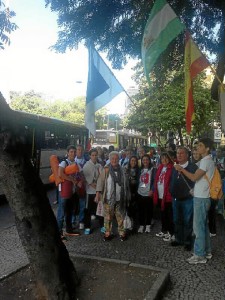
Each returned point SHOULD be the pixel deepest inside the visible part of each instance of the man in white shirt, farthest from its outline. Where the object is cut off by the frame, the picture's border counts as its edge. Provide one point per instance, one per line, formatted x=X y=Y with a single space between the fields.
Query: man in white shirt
x=202 y=245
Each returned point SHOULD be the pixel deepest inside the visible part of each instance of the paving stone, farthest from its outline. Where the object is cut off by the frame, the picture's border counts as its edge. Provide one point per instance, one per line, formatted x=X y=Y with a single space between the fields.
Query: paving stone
x=194 y=282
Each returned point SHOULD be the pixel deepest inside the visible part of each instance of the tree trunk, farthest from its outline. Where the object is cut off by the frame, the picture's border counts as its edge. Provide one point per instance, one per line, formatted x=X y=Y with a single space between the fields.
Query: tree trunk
x=36 y=224
x=180 y=136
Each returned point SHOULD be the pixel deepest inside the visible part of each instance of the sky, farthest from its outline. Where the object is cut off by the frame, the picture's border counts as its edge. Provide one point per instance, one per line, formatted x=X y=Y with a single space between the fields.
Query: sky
x=28 y=63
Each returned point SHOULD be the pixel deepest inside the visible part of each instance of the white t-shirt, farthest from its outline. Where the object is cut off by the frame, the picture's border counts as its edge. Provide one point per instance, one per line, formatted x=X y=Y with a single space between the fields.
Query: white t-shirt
x=80 y=162
x=144 y=185
x=160 y=183
x=201 y=189
x=63 y=165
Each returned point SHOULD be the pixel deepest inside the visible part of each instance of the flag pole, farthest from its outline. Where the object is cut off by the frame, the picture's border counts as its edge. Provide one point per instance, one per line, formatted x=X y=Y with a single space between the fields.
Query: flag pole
x=214 y=73
x=221 y=85
x=131 y=100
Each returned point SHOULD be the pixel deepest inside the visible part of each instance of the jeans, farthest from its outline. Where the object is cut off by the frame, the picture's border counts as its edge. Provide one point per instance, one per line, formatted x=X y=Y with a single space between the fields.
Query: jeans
x=82 y=202
x=184 y=221
x=212 y=216
x=202 y=244
x=65 y=209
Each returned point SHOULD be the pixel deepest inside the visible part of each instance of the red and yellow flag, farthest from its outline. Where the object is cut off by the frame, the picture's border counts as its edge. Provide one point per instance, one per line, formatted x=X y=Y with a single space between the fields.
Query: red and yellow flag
x=194 y=63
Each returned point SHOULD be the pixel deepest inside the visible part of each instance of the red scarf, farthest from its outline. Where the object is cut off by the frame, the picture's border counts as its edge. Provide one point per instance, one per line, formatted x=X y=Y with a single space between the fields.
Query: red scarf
x=167 y=177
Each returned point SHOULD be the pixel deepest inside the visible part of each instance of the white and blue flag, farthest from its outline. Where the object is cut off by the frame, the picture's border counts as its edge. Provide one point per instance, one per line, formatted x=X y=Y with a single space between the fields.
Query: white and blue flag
x=102 y=87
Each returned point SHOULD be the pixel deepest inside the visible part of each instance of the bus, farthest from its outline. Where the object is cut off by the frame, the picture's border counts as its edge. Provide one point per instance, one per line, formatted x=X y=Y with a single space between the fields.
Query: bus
x=119 y=139
x=47 y=136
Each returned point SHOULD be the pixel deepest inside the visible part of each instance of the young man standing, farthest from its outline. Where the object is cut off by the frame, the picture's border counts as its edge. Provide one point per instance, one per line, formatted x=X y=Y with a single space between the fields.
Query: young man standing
x=66 y=190
x=202 y=245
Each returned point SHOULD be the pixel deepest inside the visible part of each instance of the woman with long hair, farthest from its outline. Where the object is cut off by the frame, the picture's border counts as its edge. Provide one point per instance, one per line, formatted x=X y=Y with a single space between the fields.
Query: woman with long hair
x=145 y=193
x=131 y=171
x=163 y=197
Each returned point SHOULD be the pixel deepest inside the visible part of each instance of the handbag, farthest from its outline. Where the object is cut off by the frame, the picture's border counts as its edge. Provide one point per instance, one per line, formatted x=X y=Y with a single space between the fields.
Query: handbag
x=127 y=224
x=100 y=209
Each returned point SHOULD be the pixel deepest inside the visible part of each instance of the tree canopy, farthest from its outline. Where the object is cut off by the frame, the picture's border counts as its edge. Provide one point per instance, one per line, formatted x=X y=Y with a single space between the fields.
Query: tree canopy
x=121 y=23
x=33 y=102
x=6 y=25
x=163 y=109
x=72 y=111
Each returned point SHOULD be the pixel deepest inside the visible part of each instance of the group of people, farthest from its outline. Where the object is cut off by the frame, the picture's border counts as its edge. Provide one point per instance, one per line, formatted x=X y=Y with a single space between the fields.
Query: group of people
x=135 y=187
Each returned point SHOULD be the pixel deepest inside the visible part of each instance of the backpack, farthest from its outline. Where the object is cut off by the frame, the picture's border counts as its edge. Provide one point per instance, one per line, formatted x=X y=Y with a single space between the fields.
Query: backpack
x=54 y=163
x=215 y=186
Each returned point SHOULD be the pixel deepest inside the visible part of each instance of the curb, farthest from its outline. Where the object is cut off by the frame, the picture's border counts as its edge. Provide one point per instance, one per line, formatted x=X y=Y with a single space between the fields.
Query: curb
x=10 y=273
x=160 y=284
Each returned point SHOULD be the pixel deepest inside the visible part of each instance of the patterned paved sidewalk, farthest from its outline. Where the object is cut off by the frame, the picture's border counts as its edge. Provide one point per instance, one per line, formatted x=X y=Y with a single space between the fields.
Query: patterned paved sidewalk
x=200 y=282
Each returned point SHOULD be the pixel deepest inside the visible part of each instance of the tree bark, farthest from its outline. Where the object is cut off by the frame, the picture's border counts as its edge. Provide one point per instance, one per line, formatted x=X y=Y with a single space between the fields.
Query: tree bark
x=180 y=136
x=55 y=274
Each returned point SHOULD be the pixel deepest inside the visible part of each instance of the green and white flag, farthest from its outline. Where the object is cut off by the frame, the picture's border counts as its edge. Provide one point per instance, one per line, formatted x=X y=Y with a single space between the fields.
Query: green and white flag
x=162 y=27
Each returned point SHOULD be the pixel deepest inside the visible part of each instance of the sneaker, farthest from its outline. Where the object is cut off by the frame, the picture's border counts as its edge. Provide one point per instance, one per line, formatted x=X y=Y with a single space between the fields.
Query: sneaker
x=167 y=238
x=195 y=259
x=160 y=234
x=103 y=229
x=212 y=234
x=81 y=226
x=107 y=238
x=208 y=256
x=72 y=233
x=87 y=231
x=123 y=238
x=173 y=238
x=141 y=229
x=148 y=229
